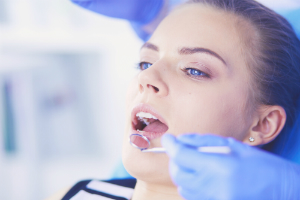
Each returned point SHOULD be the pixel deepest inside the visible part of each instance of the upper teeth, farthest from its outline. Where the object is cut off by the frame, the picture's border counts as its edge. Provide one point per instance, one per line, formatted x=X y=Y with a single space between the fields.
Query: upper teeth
x=143 y=116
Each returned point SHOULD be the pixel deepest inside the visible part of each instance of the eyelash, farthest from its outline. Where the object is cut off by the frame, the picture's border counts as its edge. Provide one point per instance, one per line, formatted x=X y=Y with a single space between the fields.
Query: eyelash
x=187 y=71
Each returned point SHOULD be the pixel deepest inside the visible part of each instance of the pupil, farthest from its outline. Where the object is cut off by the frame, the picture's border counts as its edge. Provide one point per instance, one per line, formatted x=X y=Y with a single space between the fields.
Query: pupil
x=195 y=72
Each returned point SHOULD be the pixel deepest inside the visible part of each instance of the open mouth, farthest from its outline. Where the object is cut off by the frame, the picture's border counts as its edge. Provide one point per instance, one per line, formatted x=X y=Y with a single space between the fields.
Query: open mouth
x=147 y=122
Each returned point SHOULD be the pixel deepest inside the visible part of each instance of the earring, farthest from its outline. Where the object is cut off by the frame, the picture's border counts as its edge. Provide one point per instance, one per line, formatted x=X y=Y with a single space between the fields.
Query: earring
x=251 y=139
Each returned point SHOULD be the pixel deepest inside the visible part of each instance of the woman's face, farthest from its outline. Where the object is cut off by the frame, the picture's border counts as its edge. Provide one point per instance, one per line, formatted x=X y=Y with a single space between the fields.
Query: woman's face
x=194 y=79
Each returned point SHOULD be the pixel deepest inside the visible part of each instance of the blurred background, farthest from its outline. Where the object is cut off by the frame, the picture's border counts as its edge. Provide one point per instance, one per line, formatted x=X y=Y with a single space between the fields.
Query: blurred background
x=63 y=78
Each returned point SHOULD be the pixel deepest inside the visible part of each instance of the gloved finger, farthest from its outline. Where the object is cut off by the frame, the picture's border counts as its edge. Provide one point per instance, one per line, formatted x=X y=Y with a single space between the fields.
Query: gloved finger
x=189 y=157
x=190 y=194
x=173 y=147
x=168 y=141
x=188 y=179
x=198 y=140
x=181 y=176
x=212 y=140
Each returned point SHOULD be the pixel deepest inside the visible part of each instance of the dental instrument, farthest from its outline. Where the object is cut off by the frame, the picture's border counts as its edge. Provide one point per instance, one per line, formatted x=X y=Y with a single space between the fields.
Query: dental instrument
x=141 y=142
x=208 y=149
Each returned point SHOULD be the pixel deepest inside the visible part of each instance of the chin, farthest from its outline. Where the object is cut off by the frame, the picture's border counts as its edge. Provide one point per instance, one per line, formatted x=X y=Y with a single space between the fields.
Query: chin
x=147 y=167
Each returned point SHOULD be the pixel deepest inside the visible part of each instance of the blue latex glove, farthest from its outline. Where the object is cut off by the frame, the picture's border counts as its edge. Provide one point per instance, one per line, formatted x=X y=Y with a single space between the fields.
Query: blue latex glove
x=139 y=11
x=246 y=173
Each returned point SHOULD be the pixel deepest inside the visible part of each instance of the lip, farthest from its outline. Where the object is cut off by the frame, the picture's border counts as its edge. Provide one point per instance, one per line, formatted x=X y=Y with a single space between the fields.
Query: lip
x=149 y=109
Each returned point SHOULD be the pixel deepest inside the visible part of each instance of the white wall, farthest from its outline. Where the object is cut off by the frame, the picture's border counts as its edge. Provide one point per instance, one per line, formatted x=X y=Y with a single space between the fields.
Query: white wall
x=34 y=34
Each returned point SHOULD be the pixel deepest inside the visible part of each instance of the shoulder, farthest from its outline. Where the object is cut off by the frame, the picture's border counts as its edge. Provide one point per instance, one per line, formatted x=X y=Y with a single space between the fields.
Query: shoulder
x=120 y=189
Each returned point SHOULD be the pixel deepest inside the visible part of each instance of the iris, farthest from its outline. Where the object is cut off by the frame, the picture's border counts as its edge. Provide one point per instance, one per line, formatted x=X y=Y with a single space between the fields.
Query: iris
x=144 y=65
x=195 y=72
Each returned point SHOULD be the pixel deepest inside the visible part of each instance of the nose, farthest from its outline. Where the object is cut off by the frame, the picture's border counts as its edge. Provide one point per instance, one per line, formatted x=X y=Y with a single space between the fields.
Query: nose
x=151 y=81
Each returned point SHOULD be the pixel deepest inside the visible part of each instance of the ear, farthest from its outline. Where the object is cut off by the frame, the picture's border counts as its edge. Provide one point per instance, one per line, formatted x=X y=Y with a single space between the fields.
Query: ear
x=267 y=124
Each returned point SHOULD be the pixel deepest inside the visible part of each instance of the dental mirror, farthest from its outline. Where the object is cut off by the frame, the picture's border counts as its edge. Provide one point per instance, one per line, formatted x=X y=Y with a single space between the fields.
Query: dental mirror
x=139 y=141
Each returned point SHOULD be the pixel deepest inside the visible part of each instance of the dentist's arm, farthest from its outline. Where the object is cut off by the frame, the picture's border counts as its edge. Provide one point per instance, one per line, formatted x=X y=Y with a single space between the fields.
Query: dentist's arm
x=246 y=173
x=140 y=13
x=132 y=10
x=145 y=15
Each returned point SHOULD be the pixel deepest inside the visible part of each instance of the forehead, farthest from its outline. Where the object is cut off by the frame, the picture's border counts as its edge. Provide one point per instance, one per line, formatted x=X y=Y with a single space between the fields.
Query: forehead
x=198 y=25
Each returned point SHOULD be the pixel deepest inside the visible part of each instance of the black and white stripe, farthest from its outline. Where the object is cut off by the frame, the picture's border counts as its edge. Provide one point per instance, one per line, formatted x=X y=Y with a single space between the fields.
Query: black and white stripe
x=118 y=189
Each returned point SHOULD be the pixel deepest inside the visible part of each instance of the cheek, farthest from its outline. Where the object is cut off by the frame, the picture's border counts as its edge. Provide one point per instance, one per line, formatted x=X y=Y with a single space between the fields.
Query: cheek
x=210 y=111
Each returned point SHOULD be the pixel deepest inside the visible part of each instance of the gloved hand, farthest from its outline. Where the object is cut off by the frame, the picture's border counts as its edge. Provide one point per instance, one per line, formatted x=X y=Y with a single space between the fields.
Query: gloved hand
x=138 y=11
x=246 y=173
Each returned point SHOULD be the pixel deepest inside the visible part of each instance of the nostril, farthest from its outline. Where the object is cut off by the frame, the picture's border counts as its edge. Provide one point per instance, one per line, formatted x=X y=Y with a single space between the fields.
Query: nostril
x=155 y=88
x=152 y=86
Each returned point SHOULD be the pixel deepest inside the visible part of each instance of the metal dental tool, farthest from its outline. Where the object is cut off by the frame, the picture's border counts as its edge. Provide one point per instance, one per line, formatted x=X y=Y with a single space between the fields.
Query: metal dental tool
x=208 y=149
x=141 y=142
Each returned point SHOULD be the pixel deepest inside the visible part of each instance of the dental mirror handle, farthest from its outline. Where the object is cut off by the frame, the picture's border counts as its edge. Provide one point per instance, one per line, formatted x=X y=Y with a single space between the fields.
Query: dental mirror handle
x=206 y=149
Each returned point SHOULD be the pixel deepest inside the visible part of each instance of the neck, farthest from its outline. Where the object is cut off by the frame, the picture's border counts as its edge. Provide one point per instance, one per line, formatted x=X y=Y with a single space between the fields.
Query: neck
x=150 y=191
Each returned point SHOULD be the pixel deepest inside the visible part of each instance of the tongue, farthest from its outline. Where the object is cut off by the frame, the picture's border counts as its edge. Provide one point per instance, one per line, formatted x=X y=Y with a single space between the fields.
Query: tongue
x=156 y=127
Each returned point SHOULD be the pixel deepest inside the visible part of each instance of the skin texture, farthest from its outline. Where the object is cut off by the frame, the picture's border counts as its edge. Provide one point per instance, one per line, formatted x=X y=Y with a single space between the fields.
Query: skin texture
x=215 y=102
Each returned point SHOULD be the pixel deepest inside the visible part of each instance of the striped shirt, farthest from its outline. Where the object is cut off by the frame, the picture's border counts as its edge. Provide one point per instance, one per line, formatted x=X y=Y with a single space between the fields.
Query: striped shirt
x=120 y=189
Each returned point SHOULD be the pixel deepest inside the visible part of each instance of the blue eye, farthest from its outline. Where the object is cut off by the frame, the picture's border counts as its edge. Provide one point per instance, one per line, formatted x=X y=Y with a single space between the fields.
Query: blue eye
x=195 y=73
x=144 y=65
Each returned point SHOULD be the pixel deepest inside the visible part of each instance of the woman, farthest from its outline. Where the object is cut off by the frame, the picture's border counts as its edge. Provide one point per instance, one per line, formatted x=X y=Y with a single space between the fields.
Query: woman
x=218 y=69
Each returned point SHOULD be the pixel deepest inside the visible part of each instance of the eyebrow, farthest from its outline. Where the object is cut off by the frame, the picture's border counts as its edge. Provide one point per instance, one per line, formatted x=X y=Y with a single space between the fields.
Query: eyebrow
x=150 y=46
x=187 y=51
